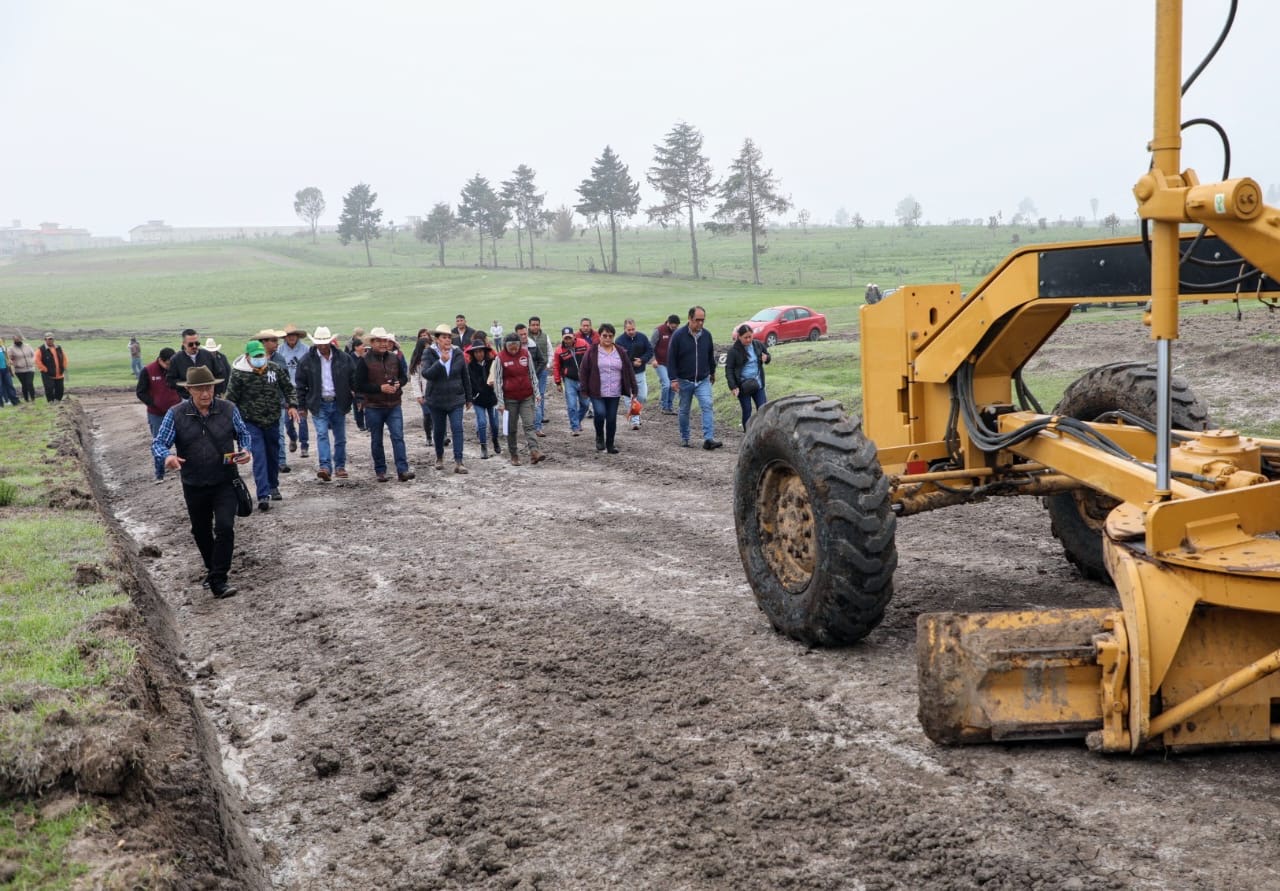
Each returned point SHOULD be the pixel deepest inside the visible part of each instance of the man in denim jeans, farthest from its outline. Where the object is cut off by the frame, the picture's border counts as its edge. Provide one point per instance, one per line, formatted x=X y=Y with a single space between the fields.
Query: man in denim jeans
x=325 y=378
x=381 y=376
x=661 y=341
x=564 y=367
x=691 y=364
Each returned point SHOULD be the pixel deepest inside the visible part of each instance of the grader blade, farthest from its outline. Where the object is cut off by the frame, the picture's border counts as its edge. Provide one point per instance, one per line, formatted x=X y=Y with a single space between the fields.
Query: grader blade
x=992 y=677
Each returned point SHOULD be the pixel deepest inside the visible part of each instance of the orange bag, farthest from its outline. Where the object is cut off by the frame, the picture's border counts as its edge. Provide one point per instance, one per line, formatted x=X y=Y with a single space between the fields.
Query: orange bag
x=635 y=408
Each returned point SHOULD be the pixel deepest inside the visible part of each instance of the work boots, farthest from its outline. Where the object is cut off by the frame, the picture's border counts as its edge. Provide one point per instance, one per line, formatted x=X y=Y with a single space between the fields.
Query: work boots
x=497 y=449
x=484 y=451
x=426 y=426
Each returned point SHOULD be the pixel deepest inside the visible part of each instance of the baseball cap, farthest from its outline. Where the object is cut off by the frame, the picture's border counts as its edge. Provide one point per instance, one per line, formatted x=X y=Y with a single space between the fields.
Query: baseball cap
x=565 y=331
x=254 y=348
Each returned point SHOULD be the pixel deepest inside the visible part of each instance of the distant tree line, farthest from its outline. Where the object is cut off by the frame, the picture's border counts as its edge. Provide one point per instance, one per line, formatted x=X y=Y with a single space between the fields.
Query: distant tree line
x=682 y=175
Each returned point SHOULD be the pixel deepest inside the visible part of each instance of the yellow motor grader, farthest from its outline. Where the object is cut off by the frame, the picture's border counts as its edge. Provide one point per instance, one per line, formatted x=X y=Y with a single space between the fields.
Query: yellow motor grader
x=1182 y=516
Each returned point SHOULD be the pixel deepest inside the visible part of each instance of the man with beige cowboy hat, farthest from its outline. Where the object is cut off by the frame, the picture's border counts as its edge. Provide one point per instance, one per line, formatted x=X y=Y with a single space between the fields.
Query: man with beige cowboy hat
x=209 y=437
x=291 y=352
x=381 y=376
x=326 y=380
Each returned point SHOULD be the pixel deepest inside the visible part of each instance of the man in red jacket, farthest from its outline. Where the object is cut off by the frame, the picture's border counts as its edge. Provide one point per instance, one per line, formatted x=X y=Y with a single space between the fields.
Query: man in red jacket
x=513 y=383
x=154 y=392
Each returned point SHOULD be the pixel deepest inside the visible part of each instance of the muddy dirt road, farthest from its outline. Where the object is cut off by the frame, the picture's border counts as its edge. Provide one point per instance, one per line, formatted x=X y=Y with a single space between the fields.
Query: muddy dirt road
x=557 y=677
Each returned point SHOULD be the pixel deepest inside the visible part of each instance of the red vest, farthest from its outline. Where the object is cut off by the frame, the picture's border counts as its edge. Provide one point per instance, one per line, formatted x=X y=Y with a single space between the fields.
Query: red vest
x=162 y=397
x=517 y=383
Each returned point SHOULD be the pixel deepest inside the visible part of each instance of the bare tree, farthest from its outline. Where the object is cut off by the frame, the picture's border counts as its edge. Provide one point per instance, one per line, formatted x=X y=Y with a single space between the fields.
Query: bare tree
x=909 y=212
x=308 y=204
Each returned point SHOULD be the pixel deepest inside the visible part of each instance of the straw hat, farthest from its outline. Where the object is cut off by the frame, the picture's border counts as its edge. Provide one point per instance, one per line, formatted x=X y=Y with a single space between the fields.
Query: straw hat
x=211 y=346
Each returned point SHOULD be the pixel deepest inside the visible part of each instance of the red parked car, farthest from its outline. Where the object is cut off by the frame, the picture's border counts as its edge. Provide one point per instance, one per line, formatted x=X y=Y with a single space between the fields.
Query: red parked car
x=786 y=323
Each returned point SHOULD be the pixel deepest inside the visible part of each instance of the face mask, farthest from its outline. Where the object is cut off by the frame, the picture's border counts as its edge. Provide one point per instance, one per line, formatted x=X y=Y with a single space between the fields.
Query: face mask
x=258 y=361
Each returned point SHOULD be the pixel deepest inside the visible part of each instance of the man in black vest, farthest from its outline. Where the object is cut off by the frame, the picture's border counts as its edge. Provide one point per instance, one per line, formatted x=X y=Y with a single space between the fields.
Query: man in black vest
x=206 y=431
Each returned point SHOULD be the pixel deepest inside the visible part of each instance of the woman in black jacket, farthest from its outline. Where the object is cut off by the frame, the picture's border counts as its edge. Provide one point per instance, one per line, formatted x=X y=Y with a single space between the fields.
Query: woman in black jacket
x=479 y=360
x=744 y=371
x=448 y=393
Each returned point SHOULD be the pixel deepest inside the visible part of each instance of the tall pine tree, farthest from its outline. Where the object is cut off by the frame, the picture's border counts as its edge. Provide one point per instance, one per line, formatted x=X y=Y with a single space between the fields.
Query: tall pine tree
x=611 y=193
x=748 y=195
x=475 y=210
x=360 y=219
x=682 y=175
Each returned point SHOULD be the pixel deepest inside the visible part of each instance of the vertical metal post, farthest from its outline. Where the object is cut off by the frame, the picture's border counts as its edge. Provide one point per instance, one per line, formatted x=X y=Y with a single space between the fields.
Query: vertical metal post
x=1166 y=148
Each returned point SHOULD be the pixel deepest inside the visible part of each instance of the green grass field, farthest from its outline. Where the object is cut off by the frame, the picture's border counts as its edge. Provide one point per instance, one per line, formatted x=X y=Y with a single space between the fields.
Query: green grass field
x=51 y=662
x=94 y=300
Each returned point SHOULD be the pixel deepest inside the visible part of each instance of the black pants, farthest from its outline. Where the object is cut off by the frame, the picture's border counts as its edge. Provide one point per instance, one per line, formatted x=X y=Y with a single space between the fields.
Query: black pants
x=52 y=387
x=212 y=510
x=27 y=379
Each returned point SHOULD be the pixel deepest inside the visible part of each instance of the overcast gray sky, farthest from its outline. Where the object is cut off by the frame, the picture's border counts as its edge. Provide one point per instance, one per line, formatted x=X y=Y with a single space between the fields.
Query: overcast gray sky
x=216 y=113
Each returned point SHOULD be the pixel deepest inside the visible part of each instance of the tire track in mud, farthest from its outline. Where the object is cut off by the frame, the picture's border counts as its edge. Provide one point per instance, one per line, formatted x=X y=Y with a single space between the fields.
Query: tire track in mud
x=557 y=677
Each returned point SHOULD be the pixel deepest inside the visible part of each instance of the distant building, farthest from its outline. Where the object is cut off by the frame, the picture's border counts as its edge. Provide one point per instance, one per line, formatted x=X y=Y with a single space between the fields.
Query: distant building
x=159 y=232
x=15 y=240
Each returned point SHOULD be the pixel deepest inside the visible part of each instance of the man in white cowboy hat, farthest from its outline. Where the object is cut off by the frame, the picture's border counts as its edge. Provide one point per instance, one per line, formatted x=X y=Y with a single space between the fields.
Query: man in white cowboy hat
x=326 y=380
x=270 y=340
x=221 y=364
x=204 y=432
x=291 y=352
x=381 y=376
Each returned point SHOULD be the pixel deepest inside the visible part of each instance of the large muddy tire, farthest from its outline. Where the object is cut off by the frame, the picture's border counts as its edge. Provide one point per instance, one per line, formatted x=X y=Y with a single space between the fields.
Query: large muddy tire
x=815 y=530
x=1077 y=518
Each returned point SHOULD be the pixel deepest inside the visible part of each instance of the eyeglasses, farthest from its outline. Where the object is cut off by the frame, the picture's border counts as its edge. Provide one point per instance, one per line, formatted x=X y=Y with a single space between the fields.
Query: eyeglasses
x=698 y=319
x=193 y=343
x=606 y=337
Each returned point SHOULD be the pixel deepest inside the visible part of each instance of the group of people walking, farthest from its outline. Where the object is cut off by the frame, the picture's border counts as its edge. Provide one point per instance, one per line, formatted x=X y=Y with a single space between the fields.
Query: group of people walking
x=20 y=361
x=280 y=382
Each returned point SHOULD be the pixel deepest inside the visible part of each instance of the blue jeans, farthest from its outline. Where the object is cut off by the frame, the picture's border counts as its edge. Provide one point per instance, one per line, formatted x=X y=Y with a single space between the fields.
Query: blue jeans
x=9 y=394
x=664 y=381
x=264 y=446
x=606 y=418
x=282 y=433
x=642 y=385
x=300 y=433
x=487 y=418
x=701 y=389
x=575 y=402
x=757 y=398
x=154 y=422
x=330 y=420
x=452 y=417
x=539 y=410
x=135 y=365
x=375 y=418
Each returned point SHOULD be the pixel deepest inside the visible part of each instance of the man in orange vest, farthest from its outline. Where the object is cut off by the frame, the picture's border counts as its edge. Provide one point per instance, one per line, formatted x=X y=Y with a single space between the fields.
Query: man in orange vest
x=51 y=362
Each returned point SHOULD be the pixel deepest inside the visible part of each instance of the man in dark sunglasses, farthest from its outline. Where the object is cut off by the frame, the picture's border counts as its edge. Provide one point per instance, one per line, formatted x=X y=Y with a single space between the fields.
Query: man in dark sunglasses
x=191 y=355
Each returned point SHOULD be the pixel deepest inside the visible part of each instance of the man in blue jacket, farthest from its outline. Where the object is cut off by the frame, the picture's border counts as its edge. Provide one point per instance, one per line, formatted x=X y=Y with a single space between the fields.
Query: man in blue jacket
x=691 y=365
x=641 y=352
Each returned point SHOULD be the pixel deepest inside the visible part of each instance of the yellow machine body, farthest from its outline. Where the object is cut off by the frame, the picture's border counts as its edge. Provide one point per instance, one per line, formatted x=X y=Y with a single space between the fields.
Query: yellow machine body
x=1189 y=658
